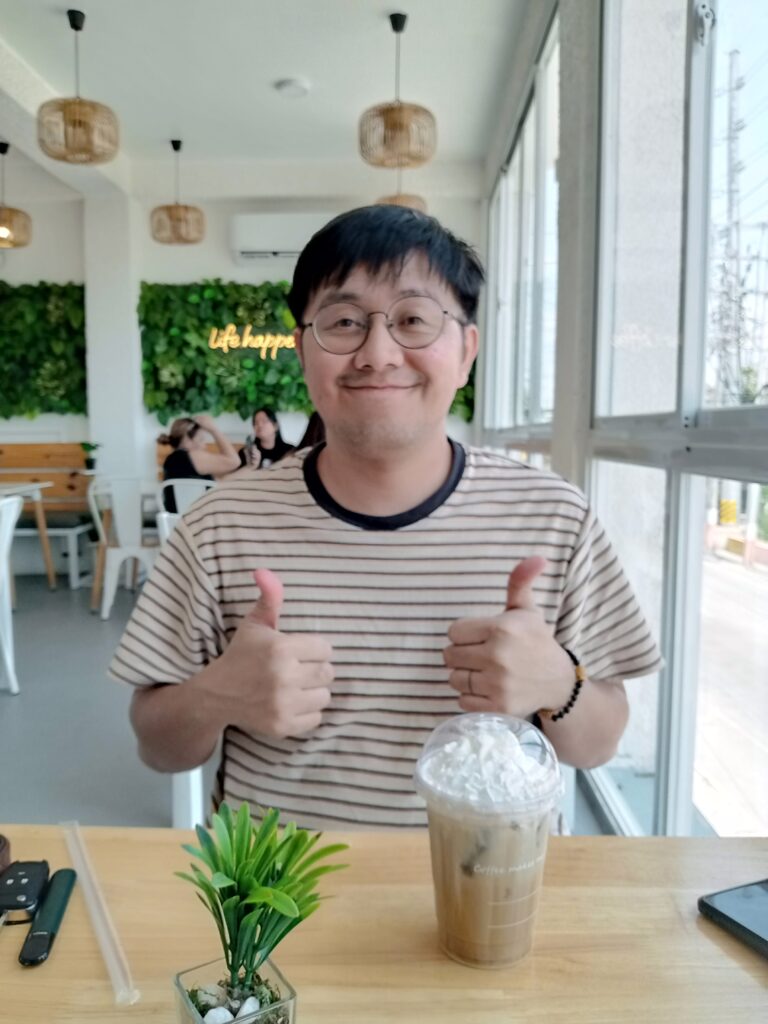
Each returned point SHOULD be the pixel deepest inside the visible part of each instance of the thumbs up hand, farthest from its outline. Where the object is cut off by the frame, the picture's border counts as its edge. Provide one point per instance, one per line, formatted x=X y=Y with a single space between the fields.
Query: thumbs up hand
x=510 y=663
x=273 y=683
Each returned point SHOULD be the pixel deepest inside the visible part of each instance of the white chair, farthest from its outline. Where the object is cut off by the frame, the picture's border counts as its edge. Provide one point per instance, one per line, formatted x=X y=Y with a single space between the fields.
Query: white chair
x=188 y=807
x=188 y=801
x=10 y=509
x=123 y=495
x=185 y=492
x=166 y=524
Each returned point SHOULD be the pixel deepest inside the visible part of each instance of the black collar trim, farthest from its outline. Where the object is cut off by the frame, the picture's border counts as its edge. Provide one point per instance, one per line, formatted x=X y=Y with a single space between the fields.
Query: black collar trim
x=317 y=489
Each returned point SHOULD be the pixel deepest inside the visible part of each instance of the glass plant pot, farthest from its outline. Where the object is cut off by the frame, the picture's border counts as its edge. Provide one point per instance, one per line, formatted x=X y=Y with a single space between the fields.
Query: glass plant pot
x=280 y=1012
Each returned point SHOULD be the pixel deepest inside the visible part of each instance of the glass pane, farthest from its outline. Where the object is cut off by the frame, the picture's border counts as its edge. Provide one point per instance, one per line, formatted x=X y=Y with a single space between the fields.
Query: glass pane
x=539 y=460
x=737 y=349
x=630 y=503
x=643 y=171
x=507 y=294
x=730 y=790
x=527 y=264
x=551 y=129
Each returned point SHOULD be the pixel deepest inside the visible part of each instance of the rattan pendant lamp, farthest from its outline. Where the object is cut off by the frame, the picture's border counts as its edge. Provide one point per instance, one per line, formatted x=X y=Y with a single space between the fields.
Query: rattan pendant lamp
x=398 y=134
x=175 y=223
x=15 y=225
x=75 y=130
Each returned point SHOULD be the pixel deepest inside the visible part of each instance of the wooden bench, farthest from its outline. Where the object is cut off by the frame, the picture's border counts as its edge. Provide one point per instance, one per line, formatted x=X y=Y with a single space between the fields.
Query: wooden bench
x=61 y=509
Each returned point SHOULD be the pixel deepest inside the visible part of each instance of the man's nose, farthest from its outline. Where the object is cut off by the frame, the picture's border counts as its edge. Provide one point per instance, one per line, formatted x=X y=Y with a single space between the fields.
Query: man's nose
x=379 y=348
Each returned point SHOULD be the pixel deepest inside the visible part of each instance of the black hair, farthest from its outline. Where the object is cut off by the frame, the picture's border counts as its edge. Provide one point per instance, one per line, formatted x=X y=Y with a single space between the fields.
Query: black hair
x=269 y=413
x=378 y=237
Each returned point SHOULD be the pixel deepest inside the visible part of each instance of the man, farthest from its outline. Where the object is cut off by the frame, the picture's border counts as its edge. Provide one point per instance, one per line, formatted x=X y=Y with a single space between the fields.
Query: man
x=400 y=578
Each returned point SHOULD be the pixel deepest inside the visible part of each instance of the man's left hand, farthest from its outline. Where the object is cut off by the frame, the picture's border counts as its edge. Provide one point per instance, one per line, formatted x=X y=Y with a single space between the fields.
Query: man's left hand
x=510 y=663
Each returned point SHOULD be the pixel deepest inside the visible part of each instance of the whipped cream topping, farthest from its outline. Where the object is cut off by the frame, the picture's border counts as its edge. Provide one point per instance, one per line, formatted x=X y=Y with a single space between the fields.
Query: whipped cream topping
x=486 y=766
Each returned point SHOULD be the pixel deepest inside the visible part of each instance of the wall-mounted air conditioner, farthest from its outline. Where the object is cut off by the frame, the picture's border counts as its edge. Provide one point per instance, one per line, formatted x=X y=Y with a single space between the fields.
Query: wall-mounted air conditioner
x=257 y=236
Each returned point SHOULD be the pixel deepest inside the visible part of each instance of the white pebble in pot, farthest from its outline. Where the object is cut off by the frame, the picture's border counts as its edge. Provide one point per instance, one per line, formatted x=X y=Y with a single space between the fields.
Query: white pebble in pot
x=251 y=1005
x=218 y=1015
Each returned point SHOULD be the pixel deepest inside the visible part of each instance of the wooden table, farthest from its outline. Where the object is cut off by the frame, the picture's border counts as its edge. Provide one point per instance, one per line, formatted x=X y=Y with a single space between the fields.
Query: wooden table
x=33 y=492
x=619 y=938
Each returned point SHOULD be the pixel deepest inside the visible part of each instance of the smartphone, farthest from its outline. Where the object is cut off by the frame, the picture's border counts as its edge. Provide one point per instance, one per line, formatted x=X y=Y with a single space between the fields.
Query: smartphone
x=743 y=911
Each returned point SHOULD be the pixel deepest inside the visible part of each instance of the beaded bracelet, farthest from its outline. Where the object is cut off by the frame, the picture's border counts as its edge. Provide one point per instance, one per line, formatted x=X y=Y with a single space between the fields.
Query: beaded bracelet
x=555 y=716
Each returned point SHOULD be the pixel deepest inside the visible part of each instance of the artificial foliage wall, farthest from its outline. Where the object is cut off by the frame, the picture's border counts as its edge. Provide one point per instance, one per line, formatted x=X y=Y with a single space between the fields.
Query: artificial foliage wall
x=183 y=373
x=219 y=346
x=42 y=343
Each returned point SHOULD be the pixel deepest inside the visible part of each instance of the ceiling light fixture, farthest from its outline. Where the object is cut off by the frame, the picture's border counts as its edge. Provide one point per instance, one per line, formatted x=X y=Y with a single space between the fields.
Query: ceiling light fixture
x=397 y=134
x=15 y=225
x=75 y=130
x=175 y=223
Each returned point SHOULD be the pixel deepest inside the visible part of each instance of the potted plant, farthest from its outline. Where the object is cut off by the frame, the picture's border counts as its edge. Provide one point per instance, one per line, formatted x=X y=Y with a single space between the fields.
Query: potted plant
x=90 y=457
x=261 y=882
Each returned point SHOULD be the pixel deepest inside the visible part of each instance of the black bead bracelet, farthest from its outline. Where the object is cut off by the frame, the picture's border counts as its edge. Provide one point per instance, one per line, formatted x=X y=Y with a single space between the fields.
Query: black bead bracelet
x=555 y=716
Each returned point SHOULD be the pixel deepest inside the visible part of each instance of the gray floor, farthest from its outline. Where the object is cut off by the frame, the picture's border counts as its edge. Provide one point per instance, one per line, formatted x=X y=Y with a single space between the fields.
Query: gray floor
x=66 y=748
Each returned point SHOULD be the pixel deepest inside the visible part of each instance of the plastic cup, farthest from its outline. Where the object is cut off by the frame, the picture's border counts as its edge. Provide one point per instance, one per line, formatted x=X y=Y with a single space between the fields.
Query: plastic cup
x=490 y=783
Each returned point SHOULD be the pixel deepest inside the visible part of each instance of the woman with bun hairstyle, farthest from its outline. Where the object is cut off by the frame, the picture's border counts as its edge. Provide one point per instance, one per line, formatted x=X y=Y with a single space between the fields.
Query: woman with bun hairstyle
x=190 y=458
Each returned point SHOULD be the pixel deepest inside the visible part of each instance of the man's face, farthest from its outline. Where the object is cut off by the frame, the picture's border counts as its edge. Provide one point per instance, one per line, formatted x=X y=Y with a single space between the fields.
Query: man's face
x=385 y=395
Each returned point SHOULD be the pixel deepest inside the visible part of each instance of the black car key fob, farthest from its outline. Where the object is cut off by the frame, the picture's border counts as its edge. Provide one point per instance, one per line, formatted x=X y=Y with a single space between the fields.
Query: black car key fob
x=21 y=886
x=45 y=925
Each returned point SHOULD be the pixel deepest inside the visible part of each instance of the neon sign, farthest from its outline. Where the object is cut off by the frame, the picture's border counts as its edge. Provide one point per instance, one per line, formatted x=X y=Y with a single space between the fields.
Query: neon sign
x=228 y=338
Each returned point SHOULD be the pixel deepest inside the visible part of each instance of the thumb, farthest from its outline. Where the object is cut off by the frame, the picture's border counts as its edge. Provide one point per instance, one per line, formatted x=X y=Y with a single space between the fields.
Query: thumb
x=266 y=611
x=520 y=584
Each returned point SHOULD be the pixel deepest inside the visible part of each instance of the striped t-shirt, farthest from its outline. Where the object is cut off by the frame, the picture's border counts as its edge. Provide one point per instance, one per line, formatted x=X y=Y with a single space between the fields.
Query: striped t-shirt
x=383 y=592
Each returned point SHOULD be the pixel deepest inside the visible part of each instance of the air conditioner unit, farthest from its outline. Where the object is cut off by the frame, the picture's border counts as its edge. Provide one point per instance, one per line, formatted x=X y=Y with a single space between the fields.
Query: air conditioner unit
x=257 y=236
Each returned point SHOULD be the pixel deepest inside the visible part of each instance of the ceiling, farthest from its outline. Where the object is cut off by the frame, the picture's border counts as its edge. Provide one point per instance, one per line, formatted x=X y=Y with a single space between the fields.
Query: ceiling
x=203 y=72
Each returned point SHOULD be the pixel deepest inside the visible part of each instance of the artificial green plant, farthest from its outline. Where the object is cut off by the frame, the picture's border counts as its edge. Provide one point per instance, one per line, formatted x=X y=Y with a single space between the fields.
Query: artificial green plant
x=262 y=883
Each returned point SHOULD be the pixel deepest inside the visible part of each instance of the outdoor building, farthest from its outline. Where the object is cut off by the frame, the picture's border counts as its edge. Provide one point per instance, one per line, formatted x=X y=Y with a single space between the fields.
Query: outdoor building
x=609 y=162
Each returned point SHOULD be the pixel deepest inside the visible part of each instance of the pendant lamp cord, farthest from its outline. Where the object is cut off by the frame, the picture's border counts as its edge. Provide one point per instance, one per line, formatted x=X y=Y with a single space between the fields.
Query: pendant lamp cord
x=77 y=66
x=2 y=180
x=176 y=178
x=397 y=67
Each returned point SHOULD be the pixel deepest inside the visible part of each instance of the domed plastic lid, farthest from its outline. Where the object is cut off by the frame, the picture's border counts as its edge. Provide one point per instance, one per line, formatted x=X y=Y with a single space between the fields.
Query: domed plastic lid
x=491 y=764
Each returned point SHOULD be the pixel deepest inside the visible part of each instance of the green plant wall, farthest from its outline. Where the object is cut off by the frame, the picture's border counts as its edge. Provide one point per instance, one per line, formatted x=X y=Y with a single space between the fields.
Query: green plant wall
x=42 y=341
x=183 y=375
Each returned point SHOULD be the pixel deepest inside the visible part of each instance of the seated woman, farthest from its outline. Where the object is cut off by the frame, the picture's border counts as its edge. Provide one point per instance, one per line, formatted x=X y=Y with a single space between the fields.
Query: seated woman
x=190 y=459
x=268 y=445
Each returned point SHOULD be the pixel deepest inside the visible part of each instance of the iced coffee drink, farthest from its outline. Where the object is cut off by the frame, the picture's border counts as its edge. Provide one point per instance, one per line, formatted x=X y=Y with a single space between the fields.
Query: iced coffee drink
x=490 y=783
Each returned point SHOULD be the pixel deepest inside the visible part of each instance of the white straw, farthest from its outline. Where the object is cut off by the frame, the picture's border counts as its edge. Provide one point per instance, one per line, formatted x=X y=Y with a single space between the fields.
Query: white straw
x=109 y=941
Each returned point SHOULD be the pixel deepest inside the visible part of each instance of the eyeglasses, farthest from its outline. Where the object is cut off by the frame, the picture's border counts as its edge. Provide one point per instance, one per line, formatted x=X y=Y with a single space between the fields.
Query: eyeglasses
x=414 y=322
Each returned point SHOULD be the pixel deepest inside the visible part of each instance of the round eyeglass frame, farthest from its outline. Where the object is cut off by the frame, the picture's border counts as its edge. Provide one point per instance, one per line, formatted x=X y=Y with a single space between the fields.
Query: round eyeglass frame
x=388 y=324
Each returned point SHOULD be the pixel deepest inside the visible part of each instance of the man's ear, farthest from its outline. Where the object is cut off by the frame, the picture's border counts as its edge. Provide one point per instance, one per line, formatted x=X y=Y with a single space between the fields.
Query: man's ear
x=471 y=342
x=298 y=337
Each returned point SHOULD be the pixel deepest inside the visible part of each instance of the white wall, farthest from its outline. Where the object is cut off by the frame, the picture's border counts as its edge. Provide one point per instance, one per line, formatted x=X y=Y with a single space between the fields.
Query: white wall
x=56 y=251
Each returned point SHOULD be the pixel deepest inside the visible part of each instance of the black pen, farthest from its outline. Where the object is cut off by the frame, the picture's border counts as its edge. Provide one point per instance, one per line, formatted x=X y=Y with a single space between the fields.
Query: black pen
x=45 y=924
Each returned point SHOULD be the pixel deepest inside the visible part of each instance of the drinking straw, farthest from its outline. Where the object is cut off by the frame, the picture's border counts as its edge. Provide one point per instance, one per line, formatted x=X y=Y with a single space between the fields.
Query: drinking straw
x=106 y=933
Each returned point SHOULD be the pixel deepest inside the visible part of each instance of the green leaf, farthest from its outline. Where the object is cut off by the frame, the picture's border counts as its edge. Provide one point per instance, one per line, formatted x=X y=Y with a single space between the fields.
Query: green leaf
x=224 y=841
x=221 y=881
x=273 y=898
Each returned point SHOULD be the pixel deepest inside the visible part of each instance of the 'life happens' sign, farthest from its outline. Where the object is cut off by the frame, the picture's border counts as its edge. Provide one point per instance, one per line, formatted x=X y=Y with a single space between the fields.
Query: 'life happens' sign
x=228 y=338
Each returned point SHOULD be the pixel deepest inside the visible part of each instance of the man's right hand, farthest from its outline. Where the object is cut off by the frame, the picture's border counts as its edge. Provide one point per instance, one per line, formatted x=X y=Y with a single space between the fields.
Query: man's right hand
x=273 y=683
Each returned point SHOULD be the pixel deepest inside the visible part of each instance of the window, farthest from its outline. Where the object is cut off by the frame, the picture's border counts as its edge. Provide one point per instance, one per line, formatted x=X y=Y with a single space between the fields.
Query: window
x=679 y=476
x=731 y=756
x=524 y=253
x=642 y=206
x=737 y=327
